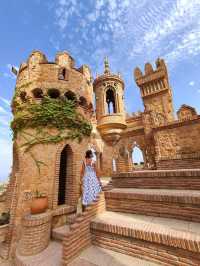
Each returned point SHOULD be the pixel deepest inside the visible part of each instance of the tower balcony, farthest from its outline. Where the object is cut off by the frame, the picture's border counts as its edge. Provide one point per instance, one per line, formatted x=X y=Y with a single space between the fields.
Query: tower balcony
x=111 y=126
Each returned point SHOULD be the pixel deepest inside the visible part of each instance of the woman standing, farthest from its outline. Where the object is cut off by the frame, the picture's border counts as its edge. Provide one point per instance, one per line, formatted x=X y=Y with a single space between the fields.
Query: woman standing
x=91 y=184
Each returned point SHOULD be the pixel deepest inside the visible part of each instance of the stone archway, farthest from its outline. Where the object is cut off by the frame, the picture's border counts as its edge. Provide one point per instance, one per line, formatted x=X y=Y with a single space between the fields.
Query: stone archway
x=138 y=157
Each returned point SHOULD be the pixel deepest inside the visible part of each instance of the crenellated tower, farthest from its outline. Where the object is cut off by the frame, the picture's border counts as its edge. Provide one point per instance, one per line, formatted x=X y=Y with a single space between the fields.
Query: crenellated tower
x=156 y=92
x=109 y=93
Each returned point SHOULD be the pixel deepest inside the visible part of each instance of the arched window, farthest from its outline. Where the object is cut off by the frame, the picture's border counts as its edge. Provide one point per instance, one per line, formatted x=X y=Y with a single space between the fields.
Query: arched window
x=62 y=74
x=82 y=102
x=70 y=96
x=37 y=93
x=137 y=157
x=23 y=96
x=53 y=93
x=110 y=100
x=114 y=166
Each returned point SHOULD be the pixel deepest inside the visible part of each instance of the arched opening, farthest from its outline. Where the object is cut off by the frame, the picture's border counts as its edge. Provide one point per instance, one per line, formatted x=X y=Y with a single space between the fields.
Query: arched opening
x=53 y=93
x=65 y=174
x=62 y=73
x=137 y=157
x=37 y=93
x=110 y=100
x=83 y=102
x=70 y=96
x=114 y=165
x=23 y=96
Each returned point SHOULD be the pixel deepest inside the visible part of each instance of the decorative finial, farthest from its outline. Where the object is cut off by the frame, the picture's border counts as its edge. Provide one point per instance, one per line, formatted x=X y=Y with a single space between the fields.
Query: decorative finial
x=106 y=66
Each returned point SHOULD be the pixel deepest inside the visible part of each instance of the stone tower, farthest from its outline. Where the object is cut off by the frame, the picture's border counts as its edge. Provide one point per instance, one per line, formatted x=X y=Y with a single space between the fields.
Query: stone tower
x=156 y=92
x=57 y=173
x=109 y=93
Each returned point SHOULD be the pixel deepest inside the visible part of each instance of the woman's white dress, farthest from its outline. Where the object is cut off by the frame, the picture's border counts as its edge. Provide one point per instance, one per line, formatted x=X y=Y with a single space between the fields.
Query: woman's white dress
x=91 y=185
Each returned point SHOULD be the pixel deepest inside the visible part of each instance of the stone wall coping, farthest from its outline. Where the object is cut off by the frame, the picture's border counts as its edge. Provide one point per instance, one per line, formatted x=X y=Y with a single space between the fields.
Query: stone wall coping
x=159 y=173
x=193 y=155
x=178 y=123
x=66 y=209
x=3 y=227
x=37 y=219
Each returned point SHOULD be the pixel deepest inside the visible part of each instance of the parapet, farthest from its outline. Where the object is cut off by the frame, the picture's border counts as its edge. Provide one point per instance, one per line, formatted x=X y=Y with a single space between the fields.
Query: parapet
x=186 y=112
x=64 y=59
x=150 y=74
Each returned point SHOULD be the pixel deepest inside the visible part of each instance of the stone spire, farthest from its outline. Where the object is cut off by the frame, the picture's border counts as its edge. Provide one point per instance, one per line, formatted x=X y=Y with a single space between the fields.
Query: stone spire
x=106 y=66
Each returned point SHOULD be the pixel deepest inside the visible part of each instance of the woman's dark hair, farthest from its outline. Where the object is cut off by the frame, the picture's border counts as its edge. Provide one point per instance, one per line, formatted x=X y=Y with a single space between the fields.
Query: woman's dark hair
x=88 y=154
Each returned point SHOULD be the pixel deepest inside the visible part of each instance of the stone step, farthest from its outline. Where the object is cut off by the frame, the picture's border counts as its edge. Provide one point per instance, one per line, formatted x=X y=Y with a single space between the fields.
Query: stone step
x=180 y=204
x=51 y=256
x=59 y=232
x=95 y=256
x=163 y=179
x=162 y=240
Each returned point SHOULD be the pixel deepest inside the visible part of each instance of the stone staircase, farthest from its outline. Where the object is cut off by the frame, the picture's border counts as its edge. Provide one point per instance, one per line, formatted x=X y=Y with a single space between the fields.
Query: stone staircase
x=148 y=215
x=152 y=215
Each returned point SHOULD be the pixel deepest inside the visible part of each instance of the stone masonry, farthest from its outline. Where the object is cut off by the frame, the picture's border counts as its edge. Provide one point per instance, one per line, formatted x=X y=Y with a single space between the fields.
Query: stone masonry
x=165 y=141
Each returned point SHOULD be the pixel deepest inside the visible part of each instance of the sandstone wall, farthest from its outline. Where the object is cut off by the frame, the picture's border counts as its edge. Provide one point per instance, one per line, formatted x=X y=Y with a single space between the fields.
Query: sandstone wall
x=179 y=142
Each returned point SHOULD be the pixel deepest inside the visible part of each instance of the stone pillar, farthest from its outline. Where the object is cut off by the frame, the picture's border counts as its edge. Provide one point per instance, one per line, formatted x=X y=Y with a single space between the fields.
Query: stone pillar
x=35 y=233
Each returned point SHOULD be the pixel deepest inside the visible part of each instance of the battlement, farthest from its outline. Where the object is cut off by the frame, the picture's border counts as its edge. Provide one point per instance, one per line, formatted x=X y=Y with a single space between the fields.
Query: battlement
x=152 y=81
x=149 y=73
x=38 y=77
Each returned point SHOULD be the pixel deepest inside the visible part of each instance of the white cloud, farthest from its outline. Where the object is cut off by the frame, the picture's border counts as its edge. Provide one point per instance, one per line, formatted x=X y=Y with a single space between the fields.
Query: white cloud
x=6 y=158
x=7 y=102
x=4 y=121
x=144 y=29
x=2 y=110
x=191 y=83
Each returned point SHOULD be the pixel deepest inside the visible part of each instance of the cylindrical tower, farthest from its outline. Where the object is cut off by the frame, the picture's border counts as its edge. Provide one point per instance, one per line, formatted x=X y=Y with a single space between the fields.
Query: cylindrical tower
x=109 y=93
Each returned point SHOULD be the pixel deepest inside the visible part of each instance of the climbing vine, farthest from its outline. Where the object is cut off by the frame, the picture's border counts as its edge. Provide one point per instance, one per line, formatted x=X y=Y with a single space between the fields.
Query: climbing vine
x=50 y=113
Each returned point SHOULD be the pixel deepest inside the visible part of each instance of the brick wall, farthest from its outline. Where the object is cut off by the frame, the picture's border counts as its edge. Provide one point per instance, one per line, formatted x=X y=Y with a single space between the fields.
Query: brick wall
x=79 y=235
x=178 y=144
x=35 y=234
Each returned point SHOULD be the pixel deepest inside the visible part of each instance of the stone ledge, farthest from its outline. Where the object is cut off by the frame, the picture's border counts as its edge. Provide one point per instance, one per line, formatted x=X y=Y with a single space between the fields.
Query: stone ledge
x=175 y=196
x=37 y=219
x=160 y=173
x=63 y=210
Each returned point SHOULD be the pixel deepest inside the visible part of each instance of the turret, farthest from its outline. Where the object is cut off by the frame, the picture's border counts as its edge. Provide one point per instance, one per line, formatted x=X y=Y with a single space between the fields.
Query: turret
x=38 y=78
x=155 y=91
x=109 y=92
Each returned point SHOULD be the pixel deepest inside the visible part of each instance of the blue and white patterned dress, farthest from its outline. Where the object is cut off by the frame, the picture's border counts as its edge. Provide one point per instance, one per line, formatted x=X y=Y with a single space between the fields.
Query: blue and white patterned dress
x=91 y=185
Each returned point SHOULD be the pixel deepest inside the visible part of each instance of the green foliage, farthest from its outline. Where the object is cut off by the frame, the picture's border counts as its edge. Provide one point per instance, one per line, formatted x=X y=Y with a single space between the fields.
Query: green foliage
x=50 y=113
x=39 y=194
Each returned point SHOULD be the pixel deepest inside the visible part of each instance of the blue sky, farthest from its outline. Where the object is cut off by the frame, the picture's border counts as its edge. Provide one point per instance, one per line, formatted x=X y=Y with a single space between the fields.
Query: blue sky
x=129 y=32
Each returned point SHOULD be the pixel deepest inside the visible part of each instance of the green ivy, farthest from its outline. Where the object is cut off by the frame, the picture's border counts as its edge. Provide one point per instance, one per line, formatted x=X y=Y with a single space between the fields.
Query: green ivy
x=50 y=113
